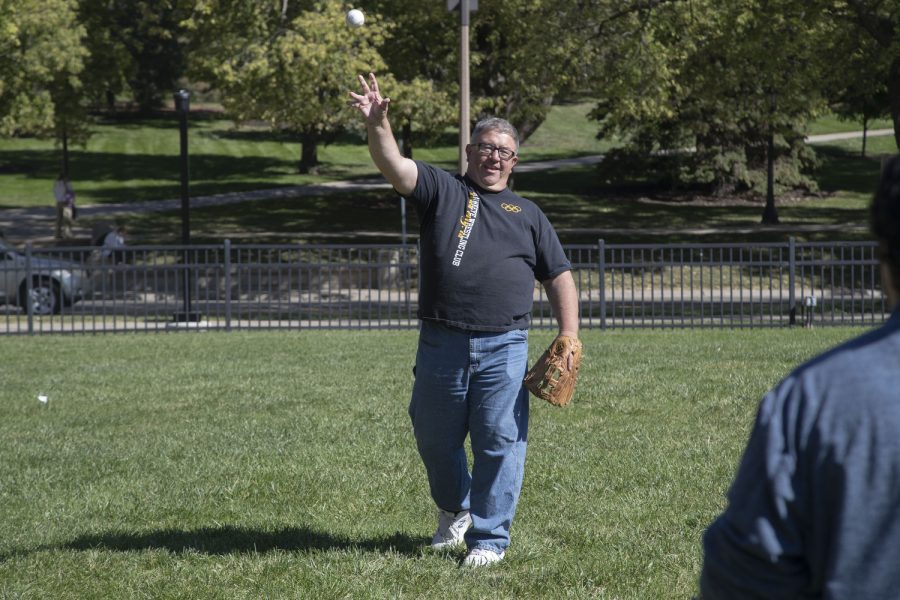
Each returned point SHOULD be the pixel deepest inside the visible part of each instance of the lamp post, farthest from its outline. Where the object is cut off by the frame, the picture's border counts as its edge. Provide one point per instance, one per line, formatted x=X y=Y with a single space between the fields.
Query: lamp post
x=465 y=7
x=183 y=107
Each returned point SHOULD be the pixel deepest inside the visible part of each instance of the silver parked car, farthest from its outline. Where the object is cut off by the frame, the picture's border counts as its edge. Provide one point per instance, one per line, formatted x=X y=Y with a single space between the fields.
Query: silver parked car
x=55 y=283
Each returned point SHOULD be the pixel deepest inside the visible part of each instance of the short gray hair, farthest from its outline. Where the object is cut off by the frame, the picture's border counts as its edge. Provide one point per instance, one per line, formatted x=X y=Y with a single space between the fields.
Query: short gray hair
x=496 y=124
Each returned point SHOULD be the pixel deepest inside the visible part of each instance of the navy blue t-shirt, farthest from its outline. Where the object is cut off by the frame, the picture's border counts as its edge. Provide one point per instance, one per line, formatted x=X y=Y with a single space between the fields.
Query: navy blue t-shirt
x=480 y=253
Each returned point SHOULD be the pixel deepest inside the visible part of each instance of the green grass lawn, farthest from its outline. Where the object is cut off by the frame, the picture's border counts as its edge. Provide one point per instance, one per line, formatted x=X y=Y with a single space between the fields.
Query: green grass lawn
x=133 y=160
x=830 y=123
x=225 y=465
x=130 y=160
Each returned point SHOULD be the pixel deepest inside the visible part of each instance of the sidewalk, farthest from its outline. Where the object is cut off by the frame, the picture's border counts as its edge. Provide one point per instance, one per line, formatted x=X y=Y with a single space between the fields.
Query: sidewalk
x=20 y=225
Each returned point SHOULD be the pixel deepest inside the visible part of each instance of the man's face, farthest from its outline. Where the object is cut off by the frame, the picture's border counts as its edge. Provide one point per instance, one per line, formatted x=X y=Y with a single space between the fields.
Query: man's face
x=486 y=167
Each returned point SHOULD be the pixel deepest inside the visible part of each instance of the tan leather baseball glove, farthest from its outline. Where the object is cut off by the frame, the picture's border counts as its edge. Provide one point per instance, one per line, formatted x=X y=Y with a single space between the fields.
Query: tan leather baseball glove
x=550 y=378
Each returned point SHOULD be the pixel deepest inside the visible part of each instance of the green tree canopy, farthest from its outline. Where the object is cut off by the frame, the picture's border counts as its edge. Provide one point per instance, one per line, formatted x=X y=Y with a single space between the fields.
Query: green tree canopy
x=523 y=53
x=43 y=59
x=290 y=68
x=716 y=77
x=880 y=22
x=136 y=47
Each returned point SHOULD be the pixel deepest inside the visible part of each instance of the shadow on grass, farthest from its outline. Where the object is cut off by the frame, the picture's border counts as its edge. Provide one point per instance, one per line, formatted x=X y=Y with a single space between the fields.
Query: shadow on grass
x=237 y=540
x=209 y=173
x=337 y=217
x=840 y=170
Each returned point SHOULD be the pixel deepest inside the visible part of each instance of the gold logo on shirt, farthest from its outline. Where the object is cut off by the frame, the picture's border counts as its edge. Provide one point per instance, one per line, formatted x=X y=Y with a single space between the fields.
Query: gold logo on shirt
x=511 y=208
x=466 y=222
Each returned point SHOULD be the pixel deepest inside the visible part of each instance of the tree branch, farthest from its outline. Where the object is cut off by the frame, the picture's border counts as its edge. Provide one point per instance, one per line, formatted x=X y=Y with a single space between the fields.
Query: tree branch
x=881 y=29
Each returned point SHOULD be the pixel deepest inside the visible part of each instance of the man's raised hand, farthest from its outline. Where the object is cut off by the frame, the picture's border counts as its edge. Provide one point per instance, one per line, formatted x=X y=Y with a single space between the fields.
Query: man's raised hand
x=370 y=103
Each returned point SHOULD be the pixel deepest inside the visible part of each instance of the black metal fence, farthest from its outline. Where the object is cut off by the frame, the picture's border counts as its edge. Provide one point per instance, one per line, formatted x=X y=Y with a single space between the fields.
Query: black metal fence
x=243 y=287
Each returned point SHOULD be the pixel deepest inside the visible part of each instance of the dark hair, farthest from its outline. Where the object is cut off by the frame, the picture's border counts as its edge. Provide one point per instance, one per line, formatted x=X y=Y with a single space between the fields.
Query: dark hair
x=885 y=215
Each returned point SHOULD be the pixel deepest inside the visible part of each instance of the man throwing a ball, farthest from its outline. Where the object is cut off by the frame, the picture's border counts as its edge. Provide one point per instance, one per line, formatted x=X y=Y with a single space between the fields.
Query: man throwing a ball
x=481 y=249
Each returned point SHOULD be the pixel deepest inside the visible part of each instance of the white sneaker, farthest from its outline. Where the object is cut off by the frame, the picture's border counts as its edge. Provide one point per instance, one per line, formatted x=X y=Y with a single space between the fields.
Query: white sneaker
x=451 y=529
x=482 y=557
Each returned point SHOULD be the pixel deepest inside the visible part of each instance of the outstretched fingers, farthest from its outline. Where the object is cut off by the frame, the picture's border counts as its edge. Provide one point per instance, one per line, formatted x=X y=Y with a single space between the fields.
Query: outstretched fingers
x=370 y=99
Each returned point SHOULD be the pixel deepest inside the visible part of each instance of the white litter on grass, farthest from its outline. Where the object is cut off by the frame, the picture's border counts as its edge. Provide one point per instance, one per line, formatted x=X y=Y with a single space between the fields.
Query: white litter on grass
x=43 y=399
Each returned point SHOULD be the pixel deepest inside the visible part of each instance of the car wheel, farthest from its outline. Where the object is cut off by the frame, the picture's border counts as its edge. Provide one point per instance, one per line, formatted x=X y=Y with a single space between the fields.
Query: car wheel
x=45 y=297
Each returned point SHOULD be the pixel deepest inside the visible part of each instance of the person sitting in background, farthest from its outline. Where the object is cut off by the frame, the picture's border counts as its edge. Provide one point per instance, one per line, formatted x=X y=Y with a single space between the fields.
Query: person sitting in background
x=112 y=244
x=812 y=512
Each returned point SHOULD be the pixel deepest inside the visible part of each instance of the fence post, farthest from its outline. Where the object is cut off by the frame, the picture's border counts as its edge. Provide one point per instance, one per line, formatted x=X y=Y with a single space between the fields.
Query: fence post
x=28 y=288
x=792 y=266
x=601 y=263
x=227 y=291
x=407 y=270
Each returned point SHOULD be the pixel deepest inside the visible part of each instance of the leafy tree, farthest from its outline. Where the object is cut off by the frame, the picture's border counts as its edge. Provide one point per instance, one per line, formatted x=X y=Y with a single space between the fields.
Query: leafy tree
x=526 y=54
x=523 y=53
x=879 y=21
x=722 y=78
x=421 y=112
x=856 y=85
x=40 y=86
x=136 y=47
x=292 y=68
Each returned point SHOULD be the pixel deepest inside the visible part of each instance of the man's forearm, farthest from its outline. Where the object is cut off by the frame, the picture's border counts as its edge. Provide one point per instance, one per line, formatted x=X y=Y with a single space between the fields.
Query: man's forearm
x=563 y=296
x=400 y=171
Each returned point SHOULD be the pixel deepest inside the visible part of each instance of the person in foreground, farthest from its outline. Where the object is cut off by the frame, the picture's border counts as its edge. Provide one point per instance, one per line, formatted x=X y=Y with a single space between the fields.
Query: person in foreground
x=813 y=510
x=481 y=247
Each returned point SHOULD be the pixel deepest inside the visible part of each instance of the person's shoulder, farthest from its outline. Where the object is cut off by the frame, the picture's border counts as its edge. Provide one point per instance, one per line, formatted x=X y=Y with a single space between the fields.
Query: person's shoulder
x=874 y=341
x=864 y=361
x=431 y=176
x=423 y=166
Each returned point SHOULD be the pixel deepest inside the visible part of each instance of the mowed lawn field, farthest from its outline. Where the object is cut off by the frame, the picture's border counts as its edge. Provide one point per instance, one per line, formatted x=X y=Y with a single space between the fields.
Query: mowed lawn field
x=281 y=465
x=131 y=160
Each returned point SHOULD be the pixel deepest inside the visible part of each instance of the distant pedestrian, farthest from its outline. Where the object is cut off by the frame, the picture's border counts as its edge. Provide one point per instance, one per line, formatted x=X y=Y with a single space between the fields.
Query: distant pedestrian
x=113 y=243
x=66 y=213
x=813 y=509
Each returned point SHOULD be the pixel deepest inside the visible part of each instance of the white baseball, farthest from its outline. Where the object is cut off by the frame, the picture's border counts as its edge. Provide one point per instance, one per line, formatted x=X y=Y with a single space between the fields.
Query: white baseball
x=355 y=18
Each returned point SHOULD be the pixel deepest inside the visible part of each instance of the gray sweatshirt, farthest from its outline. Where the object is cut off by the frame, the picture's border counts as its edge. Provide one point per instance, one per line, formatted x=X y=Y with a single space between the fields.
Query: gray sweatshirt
x=814 y=510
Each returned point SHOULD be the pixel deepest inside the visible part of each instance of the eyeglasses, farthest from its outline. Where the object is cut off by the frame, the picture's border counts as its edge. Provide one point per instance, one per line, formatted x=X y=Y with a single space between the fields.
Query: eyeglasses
x=488 y=150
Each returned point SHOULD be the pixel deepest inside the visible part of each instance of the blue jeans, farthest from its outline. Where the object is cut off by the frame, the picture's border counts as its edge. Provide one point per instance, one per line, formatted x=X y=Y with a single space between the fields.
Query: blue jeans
x=470 y=383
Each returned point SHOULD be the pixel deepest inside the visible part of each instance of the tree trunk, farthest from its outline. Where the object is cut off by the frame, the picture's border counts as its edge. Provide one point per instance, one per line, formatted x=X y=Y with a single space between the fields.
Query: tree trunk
x=526 y=127
x=894 y=98
x=65 y=156
x=770 y=213
x=865 y=134
x=309 y=157
x=406 y=139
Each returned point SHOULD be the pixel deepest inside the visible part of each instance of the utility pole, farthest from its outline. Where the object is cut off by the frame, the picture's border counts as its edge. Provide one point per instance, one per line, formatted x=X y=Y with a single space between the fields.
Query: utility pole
x=465 y=7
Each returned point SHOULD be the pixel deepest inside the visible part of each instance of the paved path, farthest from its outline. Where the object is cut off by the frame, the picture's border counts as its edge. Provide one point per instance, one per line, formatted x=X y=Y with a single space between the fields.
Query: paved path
x=36 y=224
x=847 y=135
